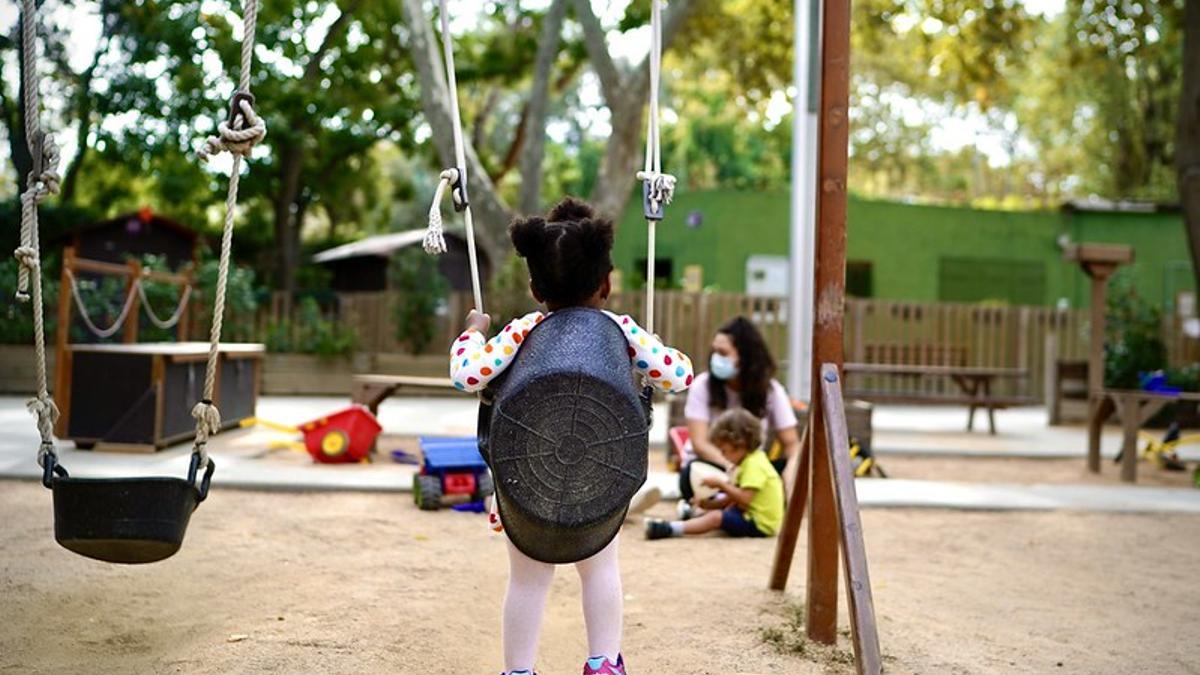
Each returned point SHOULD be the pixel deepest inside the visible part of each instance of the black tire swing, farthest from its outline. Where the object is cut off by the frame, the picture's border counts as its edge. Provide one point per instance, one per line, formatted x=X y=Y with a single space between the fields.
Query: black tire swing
x=140 y=519
x=565 y=429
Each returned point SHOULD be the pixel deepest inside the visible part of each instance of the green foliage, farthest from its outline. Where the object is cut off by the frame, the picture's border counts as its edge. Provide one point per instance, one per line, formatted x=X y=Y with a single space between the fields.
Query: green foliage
x=1134 y=337
x=16 y=318
x=420 y=292
x=241 y=300
x=310 y=332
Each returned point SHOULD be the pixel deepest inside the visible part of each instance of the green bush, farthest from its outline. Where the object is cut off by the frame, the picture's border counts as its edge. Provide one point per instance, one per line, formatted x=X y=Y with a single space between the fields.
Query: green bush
x=1134 y=338
x=16 y=318
x=311 y=333
x=420 y=293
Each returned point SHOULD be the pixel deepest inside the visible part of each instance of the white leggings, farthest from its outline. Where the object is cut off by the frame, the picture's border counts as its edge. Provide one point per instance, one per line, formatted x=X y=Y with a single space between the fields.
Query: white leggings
x=529 y=584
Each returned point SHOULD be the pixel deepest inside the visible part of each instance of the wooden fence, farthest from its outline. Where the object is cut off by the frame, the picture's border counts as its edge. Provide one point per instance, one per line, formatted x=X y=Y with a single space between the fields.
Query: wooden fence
x=877 y=331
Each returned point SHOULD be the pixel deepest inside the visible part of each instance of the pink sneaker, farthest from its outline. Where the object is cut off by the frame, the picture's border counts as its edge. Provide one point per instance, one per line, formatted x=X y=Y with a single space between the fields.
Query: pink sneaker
x=598 y=665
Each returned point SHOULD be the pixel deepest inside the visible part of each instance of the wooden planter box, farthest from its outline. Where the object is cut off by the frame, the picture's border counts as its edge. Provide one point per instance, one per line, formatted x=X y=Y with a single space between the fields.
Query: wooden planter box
x=139 y=397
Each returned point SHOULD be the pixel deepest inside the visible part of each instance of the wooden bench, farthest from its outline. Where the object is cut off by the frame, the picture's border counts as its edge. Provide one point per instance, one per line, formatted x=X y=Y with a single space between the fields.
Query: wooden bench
x=371 y=390
x=1067 y=381
x=974 y=383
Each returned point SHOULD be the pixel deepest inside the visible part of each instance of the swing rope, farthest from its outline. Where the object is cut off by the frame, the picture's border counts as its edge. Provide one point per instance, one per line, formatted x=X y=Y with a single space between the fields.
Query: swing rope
x=42 y=181
x=171 y=321
x=102 y=333
x=454 y=178
x=657 y=187
x=237 y=135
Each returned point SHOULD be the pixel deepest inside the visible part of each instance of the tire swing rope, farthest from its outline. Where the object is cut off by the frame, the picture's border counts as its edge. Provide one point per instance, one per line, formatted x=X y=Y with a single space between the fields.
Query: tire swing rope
x=658 y=188
x=454 y=178
x=238 y=134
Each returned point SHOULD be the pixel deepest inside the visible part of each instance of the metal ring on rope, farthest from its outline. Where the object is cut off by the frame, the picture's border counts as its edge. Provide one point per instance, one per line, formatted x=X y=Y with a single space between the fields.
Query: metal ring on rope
x=238 y=134
x=454 y=178
x=658 y=188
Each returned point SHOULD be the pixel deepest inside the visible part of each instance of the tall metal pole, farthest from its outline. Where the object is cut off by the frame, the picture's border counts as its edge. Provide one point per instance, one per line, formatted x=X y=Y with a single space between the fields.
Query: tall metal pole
x=806 y=77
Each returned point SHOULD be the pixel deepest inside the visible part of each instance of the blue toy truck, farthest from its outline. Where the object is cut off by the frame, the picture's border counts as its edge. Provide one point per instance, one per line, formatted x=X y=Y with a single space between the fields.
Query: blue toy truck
x=452 y=473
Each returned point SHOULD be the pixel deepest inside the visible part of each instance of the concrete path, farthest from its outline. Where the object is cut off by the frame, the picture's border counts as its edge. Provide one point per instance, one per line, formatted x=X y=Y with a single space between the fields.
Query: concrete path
x=241 y=463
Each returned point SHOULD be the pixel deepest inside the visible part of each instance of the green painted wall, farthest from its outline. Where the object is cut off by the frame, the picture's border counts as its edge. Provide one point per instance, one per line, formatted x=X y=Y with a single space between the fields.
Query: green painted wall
x=906 y=244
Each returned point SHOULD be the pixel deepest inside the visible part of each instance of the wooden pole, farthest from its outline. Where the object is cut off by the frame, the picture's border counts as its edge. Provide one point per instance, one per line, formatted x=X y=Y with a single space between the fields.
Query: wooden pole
x=135 y=314
x=864 y=634
x=785 y=545
x=829 y=313
x=62 y=336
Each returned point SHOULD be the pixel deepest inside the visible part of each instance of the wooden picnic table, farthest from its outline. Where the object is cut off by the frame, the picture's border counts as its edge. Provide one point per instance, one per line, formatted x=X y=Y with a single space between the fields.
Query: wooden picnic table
x=974 y=383
x=1134 y=408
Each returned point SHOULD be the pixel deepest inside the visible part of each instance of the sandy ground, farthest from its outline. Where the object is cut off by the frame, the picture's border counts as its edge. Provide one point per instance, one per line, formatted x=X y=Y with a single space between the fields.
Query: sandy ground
x=353 y=583
x=1020 y=470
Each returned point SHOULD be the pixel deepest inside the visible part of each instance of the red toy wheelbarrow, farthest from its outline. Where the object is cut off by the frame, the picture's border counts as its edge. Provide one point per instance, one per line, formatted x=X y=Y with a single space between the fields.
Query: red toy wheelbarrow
x=344 y=436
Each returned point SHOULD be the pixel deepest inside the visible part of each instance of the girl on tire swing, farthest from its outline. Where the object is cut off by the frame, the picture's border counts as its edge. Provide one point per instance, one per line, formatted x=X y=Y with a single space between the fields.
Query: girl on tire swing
x=569 y=254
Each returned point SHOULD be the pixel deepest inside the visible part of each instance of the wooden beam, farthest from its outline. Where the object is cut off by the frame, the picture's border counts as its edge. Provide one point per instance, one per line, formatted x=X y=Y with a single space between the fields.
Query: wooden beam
x=829 y=311
x=864 y=633
x=789 y=534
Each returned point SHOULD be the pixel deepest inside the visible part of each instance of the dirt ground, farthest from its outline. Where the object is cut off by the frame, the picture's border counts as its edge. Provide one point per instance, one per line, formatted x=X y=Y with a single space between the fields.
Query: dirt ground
x=1021 y=470
x=366 y=583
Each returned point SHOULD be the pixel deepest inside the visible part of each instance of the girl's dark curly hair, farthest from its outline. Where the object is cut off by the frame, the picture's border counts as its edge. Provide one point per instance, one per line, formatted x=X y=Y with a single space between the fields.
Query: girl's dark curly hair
x=569 y=252
x=756 y=368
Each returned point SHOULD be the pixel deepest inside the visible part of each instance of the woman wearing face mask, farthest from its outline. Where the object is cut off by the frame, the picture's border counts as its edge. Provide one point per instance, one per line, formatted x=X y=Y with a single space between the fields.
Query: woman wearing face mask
x=740 y=374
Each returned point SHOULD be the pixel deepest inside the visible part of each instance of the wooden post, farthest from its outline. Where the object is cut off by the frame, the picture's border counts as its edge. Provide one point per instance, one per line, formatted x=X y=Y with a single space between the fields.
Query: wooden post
x=785 y=545
x=62 y=336
x=864 y=634
x=829 y=294
x=829 y=302
x=135 y=313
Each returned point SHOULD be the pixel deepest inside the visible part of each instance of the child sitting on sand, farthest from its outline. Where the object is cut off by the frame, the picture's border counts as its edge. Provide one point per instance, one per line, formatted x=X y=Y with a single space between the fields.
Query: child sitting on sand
x=749 y=506
x=569 y=254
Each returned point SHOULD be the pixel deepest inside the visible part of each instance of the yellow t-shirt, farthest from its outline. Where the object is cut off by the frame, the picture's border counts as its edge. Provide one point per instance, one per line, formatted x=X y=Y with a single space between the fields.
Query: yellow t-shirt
x=766 y=509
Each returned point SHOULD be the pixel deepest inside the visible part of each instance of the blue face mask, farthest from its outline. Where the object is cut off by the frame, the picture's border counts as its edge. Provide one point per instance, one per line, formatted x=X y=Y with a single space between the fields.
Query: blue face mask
x=722 y=367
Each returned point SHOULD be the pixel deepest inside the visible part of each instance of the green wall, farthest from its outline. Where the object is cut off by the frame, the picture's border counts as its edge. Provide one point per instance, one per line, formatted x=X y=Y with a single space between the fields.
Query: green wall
x=906 y=245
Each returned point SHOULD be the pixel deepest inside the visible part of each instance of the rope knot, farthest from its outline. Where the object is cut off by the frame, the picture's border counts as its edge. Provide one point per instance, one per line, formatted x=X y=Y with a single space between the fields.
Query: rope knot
x=435 y=241
x=240 y=133
x=42 y=407
x=661 y=188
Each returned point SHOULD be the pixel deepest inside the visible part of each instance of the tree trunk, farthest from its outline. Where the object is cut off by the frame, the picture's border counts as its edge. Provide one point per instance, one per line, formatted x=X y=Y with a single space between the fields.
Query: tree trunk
x=626 y=95
x=534 y=151
x=15 y=118
x=622 y=157
x=490 y=211
x=71 y=179
x=287 y=229
x=1187 y=143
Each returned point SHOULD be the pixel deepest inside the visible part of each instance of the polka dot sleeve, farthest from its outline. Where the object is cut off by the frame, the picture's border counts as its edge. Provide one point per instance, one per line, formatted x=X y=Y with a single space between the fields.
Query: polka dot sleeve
x=475 y=361
x=666 y=369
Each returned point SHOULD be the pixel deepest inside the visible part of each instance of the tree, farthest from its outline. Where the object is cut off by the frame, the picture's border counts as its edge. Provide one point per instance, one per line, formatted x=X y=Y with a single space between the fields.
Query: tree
x=1187 y=139
x=625 y=93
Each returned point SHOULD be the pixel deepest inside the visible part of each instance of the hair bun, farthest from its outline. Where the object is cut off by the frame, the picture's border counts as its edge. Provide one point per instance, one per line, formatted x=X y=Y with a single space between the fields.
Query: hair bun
x=571 y=208
x=527 y=235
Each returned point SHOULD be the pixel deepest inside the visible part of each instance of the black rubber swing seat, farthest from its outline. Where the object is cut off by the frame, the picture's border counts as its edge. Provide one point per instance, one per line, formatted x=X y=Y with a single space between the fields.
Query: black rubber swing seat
x=565 y=431
x=124 y=520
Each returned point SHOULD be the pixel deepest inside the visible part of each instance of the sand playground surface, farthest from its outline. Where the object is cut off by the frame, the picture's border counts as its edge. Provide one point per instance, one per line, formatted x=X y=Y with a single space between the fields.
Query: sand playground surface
x=366 y=583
